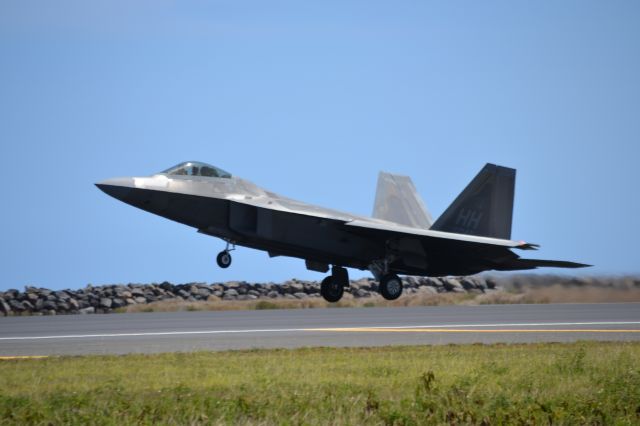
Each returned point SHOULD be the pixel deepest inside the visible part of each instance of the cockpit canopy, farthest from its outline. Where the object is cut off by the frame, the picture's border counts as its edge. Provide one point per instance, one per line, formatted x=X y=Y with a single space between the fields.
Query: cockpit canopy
x=195 y=168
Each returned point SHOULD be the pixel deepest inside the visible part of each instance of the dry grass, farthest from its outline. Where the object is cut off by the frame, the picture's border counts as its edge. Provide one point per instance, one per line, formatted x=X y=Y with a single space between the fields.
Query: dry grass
x=551 y=294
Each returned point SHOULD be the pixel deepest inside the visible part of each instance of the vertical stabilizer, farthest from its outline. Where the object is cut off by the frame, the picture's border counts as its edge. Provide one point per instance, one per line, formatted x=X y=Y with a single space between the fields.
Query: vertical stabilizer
x=398 y=201
x=485 y=207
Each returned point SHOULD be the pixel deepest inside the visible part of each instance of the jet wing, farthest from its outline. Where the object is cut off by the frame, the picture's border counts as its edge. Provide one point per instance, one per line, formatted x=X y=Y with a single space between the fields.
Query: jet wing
x=438 y=235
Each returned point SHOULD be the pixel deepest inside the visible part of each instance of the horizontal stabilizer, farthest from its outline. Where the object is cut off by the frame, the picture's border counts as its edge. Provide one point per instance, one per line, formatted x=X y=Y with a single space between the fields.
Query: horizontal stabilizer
x=518 y=264
x=398 y=201
x=485 y=207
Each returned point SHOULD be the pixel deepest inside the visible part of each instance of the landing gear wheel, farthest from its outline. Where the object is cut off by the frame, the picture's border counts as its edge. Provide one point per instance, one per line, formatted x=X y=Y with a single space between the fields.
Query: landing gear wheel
x=391 y=286
x=331 y=289
x=224 y=259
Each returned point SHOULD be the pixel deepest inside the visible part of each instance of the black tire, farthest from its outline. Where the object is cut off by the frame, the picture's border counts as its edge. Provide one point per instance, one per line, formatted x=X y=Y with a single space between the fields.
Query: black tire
x=331 y=290
x=391 y=286
x=224 y=259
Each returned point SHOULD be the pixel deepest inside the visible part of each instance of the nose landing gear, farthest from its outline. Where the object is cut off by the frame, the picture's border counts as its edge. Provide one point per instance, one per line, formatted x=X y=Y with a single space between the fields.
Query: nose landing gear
x=224 y=257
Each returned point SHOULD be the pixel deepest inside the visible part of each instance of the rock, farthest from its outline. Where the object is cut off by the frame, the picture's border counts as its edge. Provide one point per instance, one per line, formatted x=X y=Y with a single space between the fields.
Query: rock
x=16 y=305
x=88 y=310
x=130 y=301
x=296 y=287
x=49 y=305
x=451 y=284
x=10 y=294
x=140 y=300
x=254 y=293
x=272 y=294
x=468 y=283
x=410 y=282
x=311 y=289
x=63 y=306
x=300 y=295
x=203 y=292
x=137 y=292
x=73 y=304
x=481 y=284
x=62 y=295
x=361 y=293
x=118 y=303
x=166 y=286
x=183 y=294
x=4 y=307
x=231 y=292
x=105 y=302
x=125 y=294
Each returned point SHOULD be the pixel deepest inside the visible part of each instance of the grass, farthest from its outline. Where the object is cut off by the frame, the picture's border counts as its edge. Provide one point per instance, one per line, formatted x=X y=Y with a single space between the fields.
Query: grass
x=578 y=383
x=547 y=294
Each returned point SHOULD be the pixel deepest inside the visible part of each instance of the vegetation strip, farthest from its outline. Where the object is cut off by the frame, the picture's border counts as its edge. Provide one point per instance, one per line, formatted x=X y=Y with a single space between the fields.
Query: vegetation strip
x=576 y=383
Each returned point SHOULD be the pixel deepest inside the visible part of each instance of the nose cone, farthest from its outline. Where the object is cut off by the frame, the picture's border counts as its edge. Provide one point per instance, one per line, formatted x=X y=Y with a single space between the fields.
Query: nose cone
x=119 y=188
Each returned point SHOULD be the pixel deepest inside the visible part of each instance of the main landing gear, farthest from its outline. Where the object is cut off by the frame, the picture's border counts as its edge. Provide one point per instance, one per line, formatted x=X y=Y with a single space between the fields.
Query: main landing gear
x=332 y=287
x=224 y=257
x=390 y=286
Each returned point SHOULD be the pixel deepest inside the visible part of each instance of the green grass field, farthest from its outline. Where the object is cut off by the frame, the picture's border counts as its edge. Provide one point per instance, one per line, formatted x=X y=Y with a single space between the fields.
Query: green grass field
x=581 y=383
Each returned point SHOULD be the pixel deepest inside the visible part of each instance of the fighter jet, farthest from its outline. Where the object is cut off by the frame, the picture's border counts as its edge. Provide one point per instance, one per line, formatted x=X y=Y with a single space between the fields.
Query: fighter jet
x=471 y=236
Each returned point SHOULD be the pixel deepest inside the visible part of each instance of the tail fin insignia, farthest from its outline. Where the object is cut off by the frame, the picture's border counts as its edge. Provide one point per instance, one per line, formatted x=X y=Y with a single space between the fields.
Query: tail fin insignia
x=485 y=207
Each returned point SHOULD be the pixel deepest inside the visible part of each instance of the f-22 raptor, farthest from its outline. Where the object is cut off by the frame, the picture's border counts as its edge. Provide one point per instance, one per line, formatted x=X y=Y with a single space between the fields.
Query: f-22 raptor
x=471 y=236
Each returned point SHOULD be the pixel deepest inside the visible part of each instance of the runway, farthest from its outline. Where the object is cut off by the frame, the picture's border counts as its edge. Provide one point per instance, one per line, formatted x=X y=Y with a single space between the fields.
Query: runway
x=191 y=331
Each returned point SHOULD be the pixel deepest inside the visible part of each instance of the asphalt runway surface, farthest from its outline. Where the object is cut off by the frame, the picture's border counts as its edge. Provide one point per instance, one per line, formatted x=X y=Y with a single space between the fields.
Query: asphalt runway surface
x=192 y=331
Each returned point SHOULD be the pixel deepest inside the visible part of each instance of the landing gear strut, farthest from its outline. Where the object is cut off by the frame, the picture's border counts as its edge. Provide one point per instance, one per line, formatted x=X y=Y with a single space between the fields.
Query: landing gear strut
x=224 y=257
x=332 y=287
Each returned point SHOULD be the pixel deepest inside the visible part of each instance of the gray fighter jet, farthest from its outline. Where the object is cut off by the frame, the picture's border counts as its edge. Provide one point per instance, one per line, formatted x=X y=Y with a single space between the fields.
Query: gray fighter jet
x=471 y=236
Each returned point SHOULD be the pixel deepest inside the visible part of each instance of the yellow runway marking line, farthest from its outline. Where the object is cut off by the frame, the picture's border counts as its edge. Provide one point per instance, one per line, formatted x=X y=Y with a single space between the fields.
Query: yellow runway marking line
x=3 y=358
x=462 y=330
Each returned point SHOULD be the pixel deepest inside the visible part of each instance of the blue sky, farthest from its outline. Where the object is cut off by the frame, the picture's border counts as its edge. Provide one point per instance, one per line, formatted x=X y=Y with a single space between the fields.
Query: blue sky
x=310 y=100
